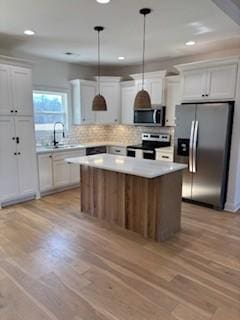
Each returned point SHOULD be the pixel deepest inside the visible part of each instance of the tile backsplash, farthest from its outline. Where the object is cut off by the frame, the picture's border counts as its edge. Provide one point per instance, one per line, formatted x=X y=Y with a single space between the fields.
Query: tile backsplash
x=95 y=133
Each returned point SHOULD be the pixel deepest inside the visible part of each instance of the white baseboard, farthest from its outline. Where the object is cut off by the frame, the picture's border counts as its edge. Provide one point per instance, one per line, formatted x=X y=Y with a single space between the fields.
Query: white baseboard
x=232 y=207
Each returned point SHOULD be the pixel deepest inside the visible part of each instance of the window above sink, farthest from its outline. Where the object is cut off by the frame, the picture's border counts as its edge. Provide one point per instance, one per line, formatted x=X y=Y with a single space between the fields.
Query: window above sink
x=49 y=107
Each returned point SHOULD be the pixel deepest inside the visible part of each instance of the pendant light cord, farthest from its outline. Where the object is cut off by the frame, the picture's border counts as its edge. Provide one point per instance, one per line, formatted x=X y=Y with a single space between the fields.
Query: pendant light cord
x=144 y=46
x=99 y=67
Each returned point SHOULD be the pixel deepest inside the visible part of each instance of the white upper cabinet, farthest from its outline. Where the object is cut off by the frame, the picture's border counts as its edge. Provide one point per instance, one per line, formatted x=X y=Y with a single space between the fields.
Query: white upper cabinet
x=222 y=82
x=22 y=90
x=5 y=90
x=15 y=90
x=83 y=94
x=193 y=85
x=154 y=83
x=110 y=90
x=128 y=93
x=209 y=81
x=173 y=98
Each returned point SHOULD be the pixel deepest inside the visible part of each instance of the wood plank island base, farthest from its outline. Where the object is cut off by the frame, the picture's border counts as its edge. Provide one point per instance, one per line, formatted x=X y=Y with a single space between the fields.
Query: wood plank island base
x=143 y=196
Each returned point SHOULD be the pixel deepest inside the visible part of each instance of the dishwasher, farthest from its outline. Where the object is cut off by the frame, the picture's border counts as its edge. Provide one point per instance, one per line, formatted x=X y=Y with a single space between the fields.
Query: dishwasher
x=96 y=150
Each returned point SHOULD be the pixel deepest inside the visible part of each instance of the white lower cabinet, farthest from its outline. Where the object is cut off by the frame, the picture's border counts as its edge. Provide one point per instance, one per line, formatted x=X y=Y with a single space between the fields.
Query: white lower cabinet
x=45 y=171
x=55 y=172
x=121 y=151
x=61 y=173
x=9 y=188
x=165 y=154
x=18 y=170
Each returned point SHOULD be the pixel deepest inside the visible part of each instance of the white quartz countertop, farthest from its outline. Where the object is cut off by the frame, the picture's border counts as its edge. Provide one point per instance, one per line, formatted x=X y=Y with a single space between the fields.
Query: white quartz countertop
x=138 y=167
x=72 y=147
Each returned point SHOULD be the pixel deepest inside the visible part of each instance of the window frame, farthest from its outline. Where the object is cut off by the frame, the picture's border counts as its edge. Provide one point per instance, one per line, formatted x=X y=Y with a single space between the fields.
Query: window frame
x=65 y=93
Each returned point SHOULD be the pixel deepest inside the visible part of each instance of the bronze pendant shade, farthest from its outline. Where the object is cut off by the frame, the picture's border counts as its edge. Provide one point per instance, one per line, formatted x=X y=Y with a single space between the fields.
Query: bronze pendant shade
x=143 y=100
x=99 y=102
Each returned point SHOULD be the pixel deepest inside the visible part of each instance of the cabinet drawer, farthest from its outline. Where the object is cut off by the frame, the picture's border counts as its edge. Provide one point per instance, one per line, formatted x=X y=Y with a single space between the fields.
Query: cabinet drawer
x=68 y=154
x=118 y=151
x=165 y=156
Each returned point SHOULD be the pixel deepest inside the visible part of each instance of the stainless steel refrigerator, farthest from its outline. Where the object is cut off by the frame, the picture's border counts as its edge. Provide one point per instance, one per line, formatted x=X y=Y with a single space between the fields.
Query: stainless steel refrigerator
x=202 y=140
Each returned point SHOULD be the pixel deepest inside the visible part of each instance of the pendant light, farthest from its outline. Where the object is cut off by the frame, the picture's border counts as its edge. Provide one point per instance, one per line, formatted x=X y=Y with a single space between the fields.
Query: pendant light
x=143 y=100
x=99 y=102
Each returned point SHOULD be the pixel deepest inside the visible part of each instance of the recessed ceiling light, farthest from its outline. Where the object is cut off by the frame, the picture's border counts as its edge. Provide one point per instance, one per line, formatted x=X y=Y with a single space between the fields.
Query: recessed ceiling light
x=29 y=32
x=190 y=43
x=103 y=1
x=121 y=58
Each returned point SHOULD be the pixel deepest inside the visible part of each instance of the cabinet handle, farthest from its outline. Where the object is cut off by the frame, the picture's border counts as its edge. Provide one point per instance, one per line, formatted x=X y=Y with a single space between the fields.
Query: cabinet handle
x=165 y=157
x=206 y=95
x=17 y=140
x=15 y=153
x=13 y=138
x=203 y=95
x=16 y=111
x=11 y=111
x=19 y=153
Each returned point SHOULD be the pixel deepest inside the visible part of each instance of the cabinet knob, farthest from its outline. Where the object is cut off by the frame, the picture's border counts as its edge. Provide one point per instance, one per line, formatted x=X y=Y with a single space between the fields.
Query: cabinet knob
x=11 y=111
x=50 y=156
x=19 y=153
x=203 y=95
x=206 y=95
x=15 y=153
x=16 y=111
x=13 y=138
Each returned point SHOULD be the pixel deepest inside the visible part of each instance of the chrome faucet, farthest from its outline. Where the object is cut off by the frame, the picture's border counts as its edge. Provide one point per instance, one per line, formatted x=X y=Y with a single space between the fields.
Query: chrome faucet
x=55 y=142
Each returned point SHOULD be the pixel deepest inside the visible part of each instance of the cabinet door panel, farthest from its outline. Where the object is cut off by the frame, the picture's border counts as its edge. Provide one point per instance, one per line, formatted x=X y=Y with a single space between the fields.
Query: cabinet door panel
x=128 y=97
x=5 y=91
x=222 y=82
x=173 y=98
x=22 y=91
x=111 y=93
x=61 y=173
x=74 y=173
x=26 y=155
x=194 y=85
x=9 y=187
x=88 y=93
x=45 y=172
x=156 y=91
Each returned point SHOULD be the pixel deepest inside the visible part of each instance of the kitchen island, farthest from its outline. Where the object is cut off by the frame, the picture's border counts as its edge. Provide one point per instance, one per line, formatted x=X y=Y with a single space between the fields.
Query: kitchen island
x=143 y=196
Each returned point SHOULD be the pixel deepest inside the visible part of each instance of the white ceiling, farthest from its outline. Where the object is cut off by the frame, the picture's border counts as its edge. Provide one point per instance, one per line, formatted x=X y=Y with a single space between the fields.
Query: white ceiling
x=67 y=25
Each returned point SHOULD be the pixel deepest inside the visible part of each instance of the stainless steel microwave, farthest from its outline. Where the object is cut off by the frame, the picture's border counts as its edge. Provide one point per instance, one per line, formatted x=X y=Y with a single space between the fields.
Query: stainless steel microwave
x=151 y=117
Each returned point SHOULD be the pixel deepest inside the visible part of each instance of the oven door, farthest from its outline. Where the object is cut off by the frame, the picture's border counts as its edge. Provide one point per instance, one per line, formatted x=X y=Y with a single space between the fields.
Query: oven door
x=131 y=152
x=149 y=154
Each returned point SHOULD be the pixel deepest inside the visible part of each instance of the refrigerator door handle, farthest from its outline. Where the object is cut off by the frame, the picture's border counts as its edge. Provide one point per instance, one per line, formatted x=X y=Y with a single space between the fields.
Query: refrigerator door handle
x=155 y=116
x=191 y=147
x=195 y=139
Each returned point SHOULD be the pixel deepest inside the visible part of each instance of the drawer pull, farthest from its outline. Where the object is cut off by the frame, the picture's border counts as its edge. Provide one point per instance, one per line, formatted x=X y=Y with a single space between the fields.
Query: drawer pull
x=165 y=157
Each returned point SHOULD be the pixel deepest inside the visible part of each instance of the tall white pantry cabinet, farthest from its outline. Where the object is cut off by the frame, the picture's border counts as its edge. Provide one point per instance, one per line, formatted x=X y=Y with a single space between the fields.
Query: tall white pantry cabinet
x=18 y=168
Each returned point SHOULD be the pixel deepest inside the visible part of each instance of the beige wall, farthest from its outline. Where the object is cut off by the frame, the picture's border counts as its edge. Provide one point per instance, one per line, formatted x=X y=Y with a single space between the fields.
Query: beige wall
x=168 y=64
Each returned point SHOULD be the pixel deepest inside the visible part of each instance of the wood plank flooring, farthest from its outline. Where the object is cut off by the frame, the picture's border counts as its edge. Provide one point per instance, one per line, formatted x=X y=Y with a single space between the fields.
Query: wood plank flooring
x=57 y=264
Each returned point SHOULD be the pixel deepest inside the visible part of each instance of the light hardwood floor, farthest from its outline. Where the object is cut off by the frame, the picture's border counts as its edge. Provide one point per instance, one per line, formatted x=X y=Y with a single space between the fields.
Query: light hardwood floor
x=57 y=264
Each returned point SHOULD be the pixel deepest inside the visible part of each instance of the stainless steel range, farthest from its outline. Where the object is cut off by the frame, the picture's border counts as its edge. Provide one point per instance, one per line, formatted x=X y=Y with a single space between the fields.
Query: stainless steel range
x=150 y=142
